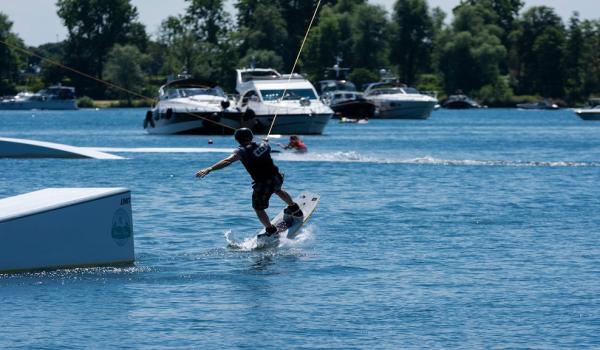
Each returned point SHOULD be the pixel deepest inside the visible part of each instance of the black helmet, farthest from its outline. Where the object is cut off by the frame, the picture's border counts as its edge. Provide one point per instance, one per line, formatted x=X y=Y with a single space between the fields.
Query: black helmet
x=243 y=135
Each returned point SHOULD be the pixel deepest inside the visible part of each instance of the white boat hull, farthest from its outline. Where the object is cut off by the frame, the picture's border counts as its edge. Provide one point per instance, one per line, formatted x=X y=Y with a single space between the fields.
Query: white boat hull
x=193 y=123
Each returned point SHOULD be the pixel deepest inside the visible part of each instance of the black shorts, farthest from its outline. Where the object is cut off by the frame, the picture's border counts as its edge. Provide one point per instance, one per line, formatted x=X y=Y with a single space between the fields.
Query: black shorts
x=263 y=191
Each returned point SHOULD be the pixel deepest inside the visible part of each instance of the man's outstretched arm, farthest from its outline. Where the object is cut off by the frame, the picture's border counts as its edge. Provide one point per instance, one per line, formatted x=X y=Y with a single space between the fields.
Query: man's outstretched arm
x=219 y=165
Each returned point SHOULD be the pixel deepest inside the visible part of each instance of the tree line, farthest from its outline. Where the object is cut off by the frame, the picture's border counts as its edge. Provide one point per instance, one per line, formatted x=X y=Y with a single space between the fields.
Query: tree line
x=493 y=50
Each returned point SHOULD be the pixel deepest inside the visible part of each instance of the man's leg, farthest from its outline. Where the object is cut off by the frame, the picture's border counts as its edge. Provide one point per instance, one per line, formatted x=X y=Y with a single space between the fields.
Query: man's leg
x=260 y=201
x=285 y=197
x=263 y=217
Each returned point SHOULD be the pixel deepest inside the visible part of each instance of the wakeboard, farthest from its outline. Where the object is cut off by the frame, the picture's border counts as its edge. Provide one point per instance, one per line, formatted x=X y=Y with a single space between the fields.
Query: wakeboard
x=288 y=226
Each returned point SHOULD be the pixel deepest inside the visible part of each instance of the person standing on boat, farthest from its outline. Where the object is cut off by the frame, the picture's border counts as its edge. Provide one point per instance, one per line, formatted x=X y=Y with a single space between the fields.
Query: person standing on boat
x=295 y=144
x=257 y=160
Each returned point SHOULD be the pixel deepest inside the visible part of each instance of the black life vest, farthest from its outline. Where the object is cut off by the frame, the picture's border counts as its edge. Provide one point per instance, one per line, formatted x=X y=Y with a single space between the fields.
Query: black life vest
x=257 y=161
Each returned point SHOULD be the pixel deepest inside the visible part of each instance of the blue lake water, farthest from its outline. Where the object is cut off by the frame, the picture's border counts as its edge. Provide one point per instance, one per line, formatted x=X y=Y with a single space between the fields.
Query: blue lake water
x=472 y=229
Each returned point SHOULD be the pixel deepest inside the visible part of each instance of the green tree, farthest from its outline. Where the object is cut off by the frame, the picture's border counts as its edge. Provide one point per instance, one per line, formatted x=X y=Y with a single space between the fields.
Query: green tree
x=94 y=27
x=245 y=12
x=180 y=50
x=11 y=60
x=346 y=5
x=507 y=12
x=124 y=69
x=574 y=56
x=329 y=39
x=181 y=47
x=51 y=73
x=208 y=20
x=296 y=15
x=412 y=36
x=352 y=30
x=257 y=34
x=472 y=52
x=540 y=42
x=591 y=57
x=290 y=19
x=362 y=76
x=137 y=36
x=210 y=23
x=261 y=58
x=370 y=36
x=266 y=35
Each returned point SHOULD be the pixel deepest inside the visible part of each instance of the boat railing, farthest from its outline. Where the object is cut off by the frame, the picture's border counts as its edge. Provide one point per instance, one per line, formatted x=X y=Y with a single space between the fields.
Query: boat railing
x=432 y=93
x=233 y=97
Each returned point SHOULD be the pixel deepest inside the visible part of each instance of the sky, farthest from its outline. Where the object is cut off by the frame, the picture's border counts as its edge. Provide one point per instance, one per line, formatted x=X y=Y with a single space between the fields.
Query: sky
x=36 y=22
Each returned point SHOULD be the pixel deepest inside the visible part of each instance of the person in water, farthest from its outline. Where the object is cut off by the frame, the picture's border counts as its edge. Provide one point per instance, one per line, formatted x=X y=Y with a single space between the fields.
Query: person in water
x=295 y=144
x=257 y=160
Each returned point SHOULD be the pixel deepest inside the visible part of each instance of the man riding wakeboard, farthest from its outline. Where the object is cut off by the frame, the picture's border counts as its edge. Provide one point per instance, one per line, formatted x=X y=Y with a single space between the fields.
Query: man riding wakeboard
x=257 y=160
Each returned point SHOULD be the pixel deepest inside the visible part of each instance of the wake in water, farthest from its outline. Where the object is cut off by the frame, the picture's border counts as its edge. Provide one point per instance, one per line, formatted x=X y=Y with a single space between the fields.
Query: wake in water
x=161 y=149
x=355 y=157
x=252 y=243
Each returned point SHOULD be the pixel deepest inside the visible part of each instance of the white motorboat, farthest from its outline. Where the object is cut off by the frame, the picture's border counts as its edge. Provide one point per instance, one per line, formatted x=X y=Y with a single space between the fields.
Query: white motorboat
x=192 y=106
x=588 y=113
x=55 y=98
x=264 y=94
x=341 y=96
x=395 y=101
x=543 y=104
x=460 y=101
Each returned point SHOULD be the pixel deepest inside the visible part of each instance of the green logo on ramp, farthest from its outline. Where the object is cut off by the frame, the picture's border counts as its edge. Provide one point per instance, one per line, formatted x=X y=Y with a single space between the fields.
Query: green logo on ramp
x=121 y=226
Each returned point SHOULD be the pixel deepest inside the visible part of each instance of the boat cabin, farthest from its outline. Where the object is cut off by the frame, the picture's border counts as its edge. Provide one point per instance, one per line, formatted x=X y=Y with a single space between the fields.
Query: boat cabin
x=187 y=87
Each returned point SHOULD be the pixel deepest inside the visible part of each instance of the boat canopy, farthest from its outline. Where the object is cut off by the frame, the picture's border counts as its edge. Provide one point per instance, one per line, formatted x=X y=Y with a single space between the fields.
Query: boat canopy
x=190 y=82
x=334 y=85
x=259 y=74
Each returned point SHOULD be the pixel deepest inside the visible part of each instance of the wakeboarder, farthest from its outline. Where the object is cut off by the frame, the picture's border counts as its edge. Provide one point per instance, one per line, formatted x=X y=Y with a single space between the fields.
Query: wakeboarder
x=266 y=177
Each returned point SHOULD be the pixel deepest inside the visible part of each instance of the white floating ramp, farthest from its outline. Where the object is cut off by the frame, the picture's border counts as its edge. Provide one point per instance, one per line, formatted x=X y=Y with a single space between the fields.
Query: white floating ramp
x=23 y=148
x=66 y=227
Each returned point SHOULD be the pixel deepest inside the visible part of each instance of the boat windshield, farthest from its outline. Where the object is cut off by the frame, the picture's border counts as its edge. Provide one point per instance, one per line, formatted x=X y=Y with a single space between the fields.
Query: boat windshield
x=291 y=94
x=410 y=90
x=187 y=92
x=57 y=93
x=387 y=91
x=339 y=85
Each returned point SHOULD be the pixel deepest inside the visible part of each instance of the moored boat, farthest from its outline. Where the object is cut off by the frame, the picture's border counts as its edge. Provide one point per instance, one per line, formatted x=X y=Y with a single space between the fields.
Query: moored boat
x=56 y=97
x=192 y=106
x=395 y=101
x=543 y=104
x=348 y=104
x=342 y=96
x=291 y=99
x=460 y=101
x=588 y=113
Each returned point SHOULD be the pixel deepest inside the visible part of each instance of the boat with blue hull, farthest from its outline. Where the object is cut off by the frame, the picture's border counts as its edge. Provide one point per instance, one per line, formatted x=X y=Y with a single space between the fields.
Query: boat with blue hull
x=588 y=113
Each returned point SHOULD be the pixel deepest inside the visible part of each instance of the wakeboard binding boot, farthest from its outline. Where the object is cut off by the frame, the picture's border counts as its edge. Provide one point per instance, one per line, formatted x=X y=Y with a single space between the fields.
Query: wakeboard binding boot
x=293 y=210
x=271 y=230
